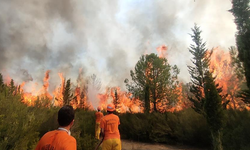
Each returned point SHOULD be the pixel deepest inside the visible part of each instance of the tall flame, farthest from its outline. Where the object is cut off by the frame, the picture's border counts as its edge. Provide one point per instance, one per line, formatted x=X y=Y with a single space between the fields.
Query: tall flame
x=223 y=71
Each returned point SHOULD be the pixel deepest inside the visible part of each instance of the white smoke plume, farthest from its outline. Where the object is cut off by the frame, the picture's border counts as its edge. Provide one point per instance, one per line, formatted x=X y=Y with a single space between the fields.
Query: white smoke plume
x=105 y=38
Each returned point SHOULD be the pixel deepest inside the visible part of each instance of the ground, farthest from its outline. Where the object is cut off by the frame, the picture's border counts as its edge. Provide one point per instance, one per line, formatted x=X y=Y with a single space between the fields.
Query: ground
x=130 y=145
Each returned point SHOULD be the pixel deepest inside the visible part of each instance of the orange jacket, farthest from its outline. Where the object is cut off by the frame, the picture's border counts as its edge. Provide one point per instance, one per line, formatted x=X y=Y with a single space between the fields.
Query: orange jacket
x=57 y=139
x=98 y=116
x=110 y=124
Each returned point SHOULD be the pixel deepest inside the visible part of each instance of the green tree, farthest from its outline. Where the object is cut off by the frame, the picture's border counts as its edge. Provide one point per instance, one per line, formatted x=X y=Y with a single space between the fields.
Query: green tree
x=205 y=93
x=213 y=110
x=67 y=95
x=236 y=63
x=152 y=77
x=12 y=87
x=201 y=65
x=241 y=11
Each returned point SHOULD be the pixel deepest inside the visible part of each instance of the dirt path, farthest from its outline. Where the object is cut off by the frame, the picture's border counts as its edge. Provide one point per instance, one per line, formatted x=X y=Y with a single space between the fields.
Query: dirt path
x=130 y=145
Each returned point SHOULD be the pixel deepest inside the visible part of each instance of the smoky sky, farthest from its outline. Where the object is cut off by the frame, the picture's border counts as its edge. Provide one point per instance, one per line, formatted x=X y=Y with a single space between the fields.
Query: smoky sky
x=105 y=38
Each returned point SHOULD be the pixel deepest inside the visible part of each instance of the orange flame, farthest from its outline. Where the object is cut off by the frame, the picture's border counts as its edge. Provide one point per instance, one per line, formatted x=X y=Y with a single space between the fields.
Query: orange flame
x=162 y=51
x=221 y=66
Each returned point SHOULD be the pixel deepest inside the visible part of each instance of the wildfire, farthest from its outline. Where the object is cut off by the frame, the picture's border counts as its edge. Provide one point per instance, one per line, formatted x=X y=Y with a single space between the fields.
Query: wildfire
x=162 y=51
x=124 y=101
x=221 y=65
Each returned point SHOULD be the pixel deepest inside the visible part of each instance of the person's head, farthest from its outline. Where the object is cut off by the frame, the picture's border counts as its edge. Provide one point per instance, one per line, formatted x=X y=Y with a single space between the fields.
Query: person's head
x=66 y=116
x=110 y=108
x=99 y=108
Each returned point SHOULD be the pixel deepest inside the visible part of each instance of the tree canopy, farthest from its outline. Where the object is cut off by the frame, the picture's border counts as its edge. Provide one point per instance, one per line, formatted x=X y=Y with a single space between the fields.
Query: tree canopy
x=205 y=92
x=241 y=11
x=151 y=79
x=201 y=58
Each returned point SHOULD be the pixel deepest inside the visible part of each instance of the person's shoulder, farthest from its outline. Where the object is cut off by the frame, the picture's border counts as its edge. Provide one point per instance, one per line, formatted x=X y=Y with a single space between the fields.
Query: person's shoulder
x=49 y=133
x=72 y=138
x=65 y=137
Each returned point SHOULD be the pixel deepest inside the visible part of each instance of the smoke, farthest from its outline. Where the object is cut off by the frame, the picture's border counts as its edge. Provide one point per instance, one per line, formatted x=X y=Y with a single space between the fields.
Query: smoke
x=105 y=38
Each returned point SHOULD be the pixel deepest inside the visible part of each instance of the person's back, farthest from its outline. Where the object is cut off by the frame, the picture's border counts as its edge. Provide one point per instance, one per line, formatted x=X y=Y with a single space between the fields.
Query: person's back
x=98 y=116
x=109 y=125
x=57 y=139
x=60 y=139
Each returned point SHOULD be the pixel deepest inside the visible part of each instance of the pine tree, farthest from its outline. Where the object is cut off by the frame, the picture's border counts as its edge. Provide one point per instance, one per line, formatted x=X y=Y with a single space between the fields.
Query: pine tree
x=82 y=101
x=201 y=65
x=12 y=87
x=67 y=95
x=205 y=93
x=241 y=11
x=151 y=77
x=213 y=110
x=116 y=99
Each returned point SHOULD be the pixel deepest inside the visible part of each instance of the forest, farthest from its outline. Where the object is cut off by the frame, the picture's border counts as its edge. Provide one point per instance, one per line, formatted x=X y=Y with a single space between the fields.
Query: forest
x=211 y=111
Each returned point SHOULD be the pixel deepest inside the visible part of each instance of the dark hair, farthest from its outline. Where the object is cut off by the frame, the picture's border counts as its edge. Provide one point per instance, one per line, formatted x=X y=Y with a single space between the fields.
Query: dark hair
x=66 y=115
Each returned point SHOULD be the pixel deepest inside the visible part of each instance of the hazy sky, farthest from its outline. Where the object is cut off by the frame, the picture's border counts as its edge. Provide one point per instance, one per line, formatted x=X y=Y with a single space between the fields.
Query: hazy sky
x=105 y=38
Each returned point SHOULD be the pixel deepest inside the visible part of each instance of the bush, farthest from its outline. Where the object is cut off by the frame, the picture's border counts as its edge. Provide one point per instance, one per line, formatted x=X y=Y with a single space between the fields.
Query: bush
x=21 y=126
x=236 y=133
x=18 y=126
x=185 y=127
x=84 y=129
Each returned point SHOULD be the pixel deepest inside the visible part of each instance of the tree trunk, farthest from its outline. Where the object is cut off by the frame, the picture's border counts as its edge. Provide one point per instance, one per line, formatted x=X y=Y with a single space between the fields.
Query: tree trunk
x=155 y=109
x=216 y=138
x=147 y=101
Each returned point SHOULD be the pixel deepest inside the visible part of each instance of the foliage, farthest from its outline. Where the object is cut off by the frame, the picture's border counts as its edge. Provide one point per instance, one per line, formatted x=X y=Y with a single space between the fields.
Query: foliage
x=186 y=127
x=152 y=77
x=236 y=133
x=236 y=63
x=213 y=110
x=213 y=104
x=206 y=98
x=201 y=59
x=83 y=129
x=17 y=124
x=67 y=95
x=12 y=87
x=116 y=99
x=241 y=11
x=22 y=126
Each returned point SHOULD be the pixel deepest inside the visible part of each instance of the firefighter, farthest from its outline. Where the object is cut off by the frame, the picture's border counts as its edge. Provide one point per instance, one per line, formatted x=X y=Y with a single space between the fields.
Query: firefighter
x=98 y=116
x=109 y=129
x=60 y=138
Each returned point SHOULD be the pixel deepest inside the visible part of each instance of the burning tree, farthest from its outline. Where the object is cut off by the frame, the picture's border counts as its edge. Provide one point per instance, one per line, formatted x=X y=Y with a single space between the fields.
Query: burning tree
x=67 y=95
x=229 y=74
x=205 y=94
x=116 y=98
x=241 y=11
x=151 y=80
